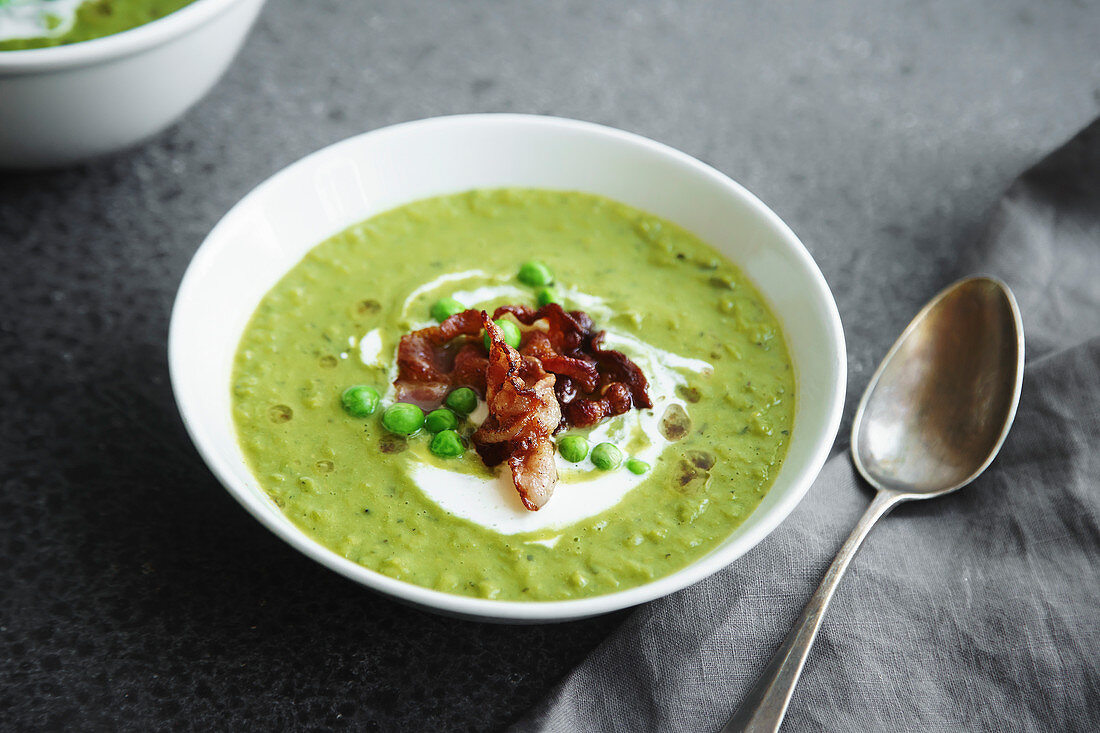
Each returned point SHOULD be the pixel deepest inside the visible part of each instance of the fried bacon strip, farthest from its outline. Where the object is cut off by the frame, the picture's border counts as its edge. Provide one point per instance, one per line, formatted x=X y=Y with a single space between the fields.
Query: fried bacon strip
x=523 y=413
x=429 y=365
x=539 y=345
x=593 y=383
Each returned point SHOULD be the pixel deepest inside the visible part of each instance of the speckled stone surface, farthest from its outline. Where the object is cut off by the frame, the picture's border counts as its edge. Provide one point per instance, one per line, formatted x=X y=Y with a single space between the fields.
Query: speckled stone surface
x=135 y=594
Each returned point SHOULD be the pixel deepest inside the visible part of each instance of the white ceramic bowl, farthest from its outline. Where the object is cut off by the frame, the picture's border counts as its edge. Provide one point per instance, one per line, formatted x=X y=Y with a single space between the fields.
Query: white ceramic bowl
x=270 y=230
x=64 y=104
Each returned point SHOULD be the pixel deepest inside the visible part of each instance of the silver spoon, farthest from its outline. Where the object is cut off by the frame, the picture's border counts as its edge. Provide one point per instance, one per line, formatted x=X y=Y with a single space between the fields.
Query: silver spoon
x=932 y=419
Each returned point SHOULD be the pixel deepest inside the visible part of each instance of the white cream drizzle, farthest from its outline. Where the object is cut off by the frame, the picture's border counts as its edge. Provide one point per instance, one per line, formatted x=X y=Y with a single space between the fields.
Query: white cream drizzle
x=488 y=293
x=439 y=282
x=479 y=414
x=33 y=18
x=593 y=305
x=370 y=348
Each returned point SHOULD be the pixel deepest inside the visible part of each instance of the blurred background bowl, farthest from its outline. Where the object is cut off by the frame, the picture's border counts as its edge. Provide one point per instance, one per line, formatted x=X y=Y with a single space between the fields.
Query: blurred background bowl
x=63 y=104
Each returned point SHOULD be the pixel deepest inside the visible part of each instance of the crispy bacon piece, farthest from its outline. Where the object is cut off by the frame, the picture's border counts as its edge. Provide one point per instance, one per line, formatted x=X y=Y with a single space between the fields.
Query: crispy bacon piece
x=525 y=314
x=523 y=413
x=618 y=369
x=569 y=332
x=615 y=400
x=538 y=345
x=470 y=366
x=428 y=366
x=593 y=383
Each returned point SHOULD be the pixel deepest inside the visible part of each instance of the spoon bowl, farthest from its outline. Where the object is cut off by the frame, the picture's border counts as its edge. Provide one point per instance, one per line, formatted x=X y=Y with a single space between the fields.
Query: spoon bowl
x=941 y=403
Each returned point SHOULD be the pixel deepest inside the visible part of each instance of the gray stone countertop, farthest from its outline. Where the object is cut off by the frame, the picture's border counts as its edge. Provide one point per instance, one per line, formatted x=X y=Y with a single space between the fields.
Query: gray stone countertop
x=135 y=594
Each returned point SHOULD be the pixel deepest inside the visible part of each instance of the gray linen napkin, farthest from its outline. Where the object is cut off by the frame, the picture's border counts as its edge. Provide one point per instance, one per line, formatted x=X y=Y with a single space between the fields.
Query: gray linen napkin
x=977 y=611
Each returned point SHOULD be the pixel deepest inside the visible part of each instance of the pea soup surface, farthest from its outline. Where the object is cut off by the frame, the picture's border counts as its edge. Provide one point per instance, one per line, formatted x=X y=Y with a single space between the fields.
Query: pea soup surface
x=26 y=24
x=696 y=326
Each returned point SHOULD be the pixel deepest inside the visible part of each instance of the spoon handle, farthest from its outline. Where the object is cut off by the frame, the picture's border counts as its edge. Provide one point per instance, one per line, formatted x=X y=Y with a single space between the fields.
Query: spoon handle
x=766 y=703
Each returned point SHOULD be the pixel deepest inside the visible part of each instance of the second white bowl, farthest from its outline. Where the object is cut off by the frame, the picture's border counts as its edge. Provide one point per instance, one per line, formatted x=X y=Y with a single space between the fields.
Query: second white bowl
x=63 y=104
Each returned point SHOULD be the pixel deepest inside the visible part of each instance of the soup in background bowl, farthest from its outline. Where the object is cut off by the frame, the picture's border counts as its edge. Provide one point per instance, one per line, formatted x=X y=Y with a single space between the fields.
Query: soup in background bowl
x=27 y=24
x=689 y=276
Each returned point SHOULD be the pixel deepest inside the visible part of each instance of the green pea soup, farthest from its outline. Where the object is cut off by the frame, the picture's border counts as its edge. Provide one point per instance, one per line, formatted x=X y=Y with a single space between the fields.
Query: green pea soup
x=348 y=483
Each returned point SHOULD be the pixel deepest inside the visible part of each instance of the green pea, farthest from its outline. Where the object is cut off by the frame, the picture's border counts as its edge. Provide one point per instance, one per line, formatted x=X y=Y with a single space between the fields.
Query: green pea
x=512 y=335
x=444 y=308
x=463 y=400
x=360 y=400
x=636 y=467
x=548 y=295
x=447 y=444
x=534 y=272
x=607 y=456
x=440 y=420
x=573 y=448
x=402 y=418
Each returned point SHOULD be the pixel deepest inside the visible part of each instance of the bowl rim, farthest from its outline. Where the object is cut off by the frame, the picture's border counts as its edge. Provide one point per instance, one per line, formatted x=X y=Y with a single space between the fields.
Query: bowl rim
x=116 y=45
x=505 y=610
